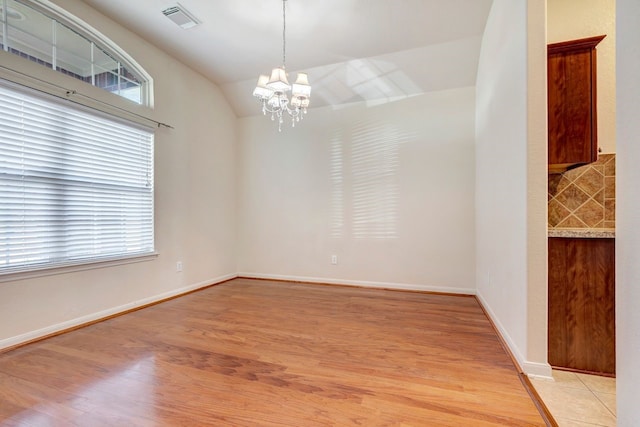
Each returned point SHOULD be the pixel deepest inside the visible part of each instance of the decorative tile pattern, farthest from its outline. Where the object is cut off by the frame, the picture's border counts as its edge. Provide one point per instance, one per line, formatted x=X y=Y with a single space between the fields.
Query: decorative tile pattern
x=584 y=197
x=554 y=183
x=610 y=187
x=557 y=213
x=599 y=197
x=572 y=197
x=610 y=168
x=571 y=221
x=610 y=210
x=591 y=213
x=591 y=180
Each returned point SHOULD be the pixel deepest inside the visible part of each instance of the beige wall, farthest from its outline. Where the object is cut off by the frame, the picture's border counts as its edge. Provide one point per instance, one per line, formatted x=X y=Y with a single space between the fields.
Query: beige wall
x=576 y=19
x=511 y=178
x=387 y=188
x=194 y=204
x=536 y=188
x=628 y=216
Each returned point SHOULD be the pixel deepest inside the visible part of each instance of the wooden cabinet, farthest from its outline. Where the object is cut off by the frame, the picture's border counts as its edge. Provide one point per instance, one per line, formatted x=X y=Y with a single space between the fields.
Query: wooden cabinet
x=571 y=102
x=582 y=304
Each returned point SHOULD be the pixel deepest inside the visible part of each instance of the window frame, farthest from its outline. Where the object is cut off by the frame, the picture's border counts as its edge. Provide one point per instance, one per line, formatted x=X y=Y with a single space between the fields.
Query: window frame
x=101 y=42
x=37 y=270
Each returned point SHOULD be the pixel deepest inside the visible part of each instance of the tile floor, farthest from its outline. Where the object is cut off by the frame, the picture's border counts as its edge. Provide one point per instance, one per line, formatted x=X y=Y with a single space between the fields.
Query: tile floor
x=579 y=400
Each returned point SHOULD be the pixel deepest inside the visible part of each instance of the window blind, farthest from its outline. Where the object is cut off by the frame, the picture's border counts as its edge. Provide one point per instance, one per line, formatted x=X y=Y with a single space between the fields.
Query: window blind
x=76 y=186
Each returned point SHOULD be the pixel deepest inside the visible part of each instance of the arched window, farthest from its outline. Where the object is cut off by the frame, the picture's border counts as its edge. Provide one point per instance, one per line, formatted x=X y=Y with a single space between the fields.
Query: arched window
x=46 y=34
x=76 y=182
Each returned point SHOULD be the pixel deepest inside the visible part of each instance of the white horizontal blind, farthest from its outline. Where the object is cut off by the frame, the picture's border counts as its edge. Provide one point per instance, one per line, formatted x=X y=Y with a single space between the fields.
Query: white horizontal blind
x=75 y=186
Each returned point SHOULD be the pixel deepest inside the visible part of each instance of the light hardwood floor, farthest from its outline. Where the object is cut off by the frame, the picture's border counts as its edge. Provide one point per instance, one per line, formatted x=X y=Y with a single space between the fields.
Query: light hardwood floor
x=264 y=353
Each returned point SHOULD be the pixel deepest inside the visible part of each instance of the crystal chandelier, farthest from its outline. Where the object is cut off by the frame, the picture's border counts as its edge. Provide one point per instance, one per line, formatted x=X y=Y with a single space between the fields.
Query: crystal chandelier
x=272 y=91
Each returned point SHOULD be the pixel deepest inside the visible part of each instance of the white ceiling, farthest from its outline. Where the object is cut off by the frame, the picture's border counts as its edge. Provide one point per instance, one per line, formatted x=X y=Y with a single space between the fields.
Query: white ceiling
x=353 y=50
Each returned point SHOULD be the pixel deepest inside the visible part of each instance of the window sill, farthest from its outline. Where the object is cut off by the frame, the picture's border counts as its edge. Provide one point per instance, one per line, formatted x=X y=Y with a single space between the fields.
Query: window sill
x=50 y=271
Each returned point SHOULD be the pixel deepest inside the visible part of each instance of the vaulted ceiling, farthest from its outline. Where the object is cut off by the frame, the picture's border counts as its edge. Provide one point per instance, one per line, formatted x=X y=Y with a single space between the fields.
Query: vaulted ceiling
x=352 y=50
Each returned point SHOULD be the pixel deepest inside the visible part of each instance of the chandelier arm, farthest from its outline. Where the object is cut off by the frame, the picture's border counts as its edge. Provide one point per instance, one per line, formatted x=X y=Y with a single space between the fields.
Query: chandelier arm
x=270 y=110
x=282 y=107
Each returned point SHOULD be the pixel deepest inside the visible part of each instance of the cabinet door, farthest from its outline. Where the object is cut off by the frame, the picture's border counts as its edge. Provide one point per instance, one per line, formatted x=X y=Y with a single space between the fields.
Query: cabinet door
x=571 y=102
x=570 y=112
x=582 y=304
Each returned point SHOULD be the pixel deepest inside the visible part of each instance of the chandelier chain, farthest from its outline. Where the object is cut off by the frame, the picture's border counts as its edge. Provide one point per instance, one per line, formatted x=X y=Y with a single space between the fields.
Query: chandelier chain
x=284 y=30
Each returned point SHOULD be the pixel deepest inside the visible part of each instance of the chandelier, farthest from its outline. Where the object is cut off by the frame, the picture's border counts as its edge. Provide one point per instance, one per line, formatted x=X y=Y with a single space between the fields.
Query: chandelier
x=273 y=91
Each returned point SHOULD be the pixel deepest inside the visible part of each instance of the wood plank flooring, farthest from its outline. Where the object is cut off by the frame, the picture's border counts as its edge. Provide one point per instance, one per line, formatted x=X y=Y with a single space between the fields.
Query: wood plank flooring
x=265 y=353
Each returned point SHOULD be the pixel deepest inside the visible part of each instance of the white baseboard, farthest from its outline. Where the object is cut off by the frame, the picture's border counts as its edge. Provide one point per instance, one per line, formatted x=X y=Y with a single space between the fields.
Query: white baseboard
x=538 y=370
x=39 y=333
x=361 y=283
x=534 y=369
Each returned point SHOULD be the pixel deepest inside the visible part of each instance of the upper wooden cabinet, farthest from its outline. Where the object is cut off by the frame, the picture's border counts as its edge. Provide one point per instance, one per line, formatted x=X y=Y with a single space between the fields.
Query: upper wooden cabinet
x=571 y=97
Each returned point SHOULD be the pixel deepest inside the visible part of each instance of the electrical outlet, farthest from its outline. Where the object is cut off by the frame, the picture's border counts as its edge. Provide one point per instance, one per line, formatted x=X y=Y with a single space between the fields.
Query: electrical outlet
x=334 y=259
x=179 y=266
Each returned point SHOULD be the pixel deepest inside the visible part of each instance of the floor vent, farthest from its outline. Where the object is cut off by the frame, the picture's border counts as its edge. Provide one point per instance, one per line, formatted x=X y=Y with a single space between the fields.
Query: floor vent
x=181 y=16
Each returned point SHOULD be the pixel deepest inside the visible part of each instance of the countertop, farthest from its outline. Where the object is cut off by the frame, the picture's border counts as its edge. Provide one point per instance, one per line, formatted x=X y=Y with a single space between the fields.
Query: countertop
x=588 y=233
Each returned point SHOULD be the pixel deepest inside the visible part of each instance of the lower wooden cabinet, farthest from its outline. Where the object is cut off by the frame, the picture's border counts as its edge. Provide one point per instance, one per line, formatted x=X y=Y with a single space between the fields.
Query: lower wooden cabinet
x=582 y=304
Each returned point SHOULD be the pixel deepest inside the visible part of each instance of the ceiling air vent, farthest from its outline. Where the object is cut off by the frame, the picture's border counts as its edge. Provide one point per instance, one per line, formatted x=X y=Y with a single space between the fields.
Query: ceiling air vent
x=181 y=16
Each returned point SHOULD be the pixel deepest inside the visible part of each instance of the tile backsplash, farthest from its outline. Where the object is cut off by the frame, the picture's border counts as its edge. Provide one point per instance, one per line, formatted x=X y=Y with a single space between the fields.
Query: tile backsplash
x=584 y=197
